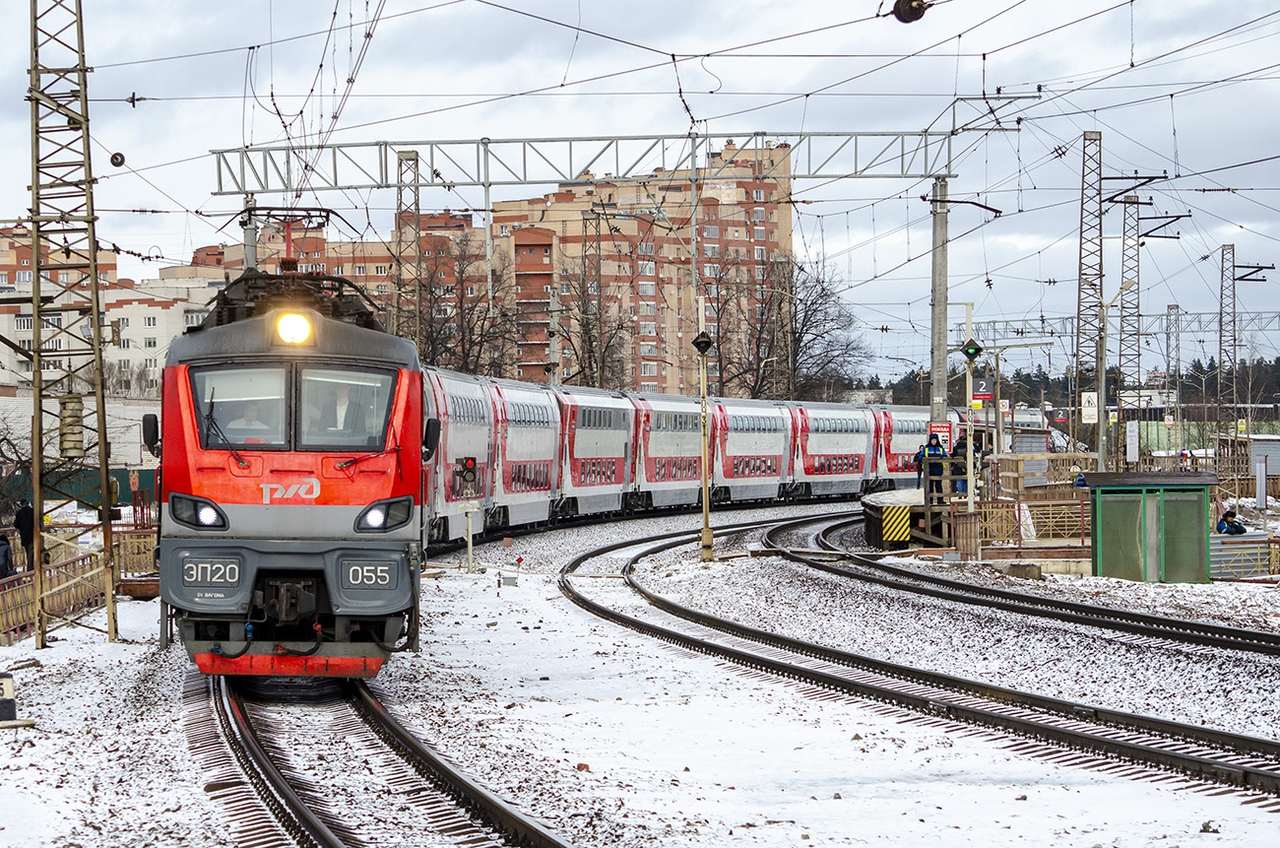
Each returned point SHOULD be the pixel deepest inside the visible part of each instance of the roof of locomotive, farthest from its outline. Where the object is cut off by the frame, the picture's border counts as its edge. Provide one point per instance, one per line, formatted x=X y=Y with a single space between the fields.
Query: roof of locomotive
x=241 y=322
x=255 y=337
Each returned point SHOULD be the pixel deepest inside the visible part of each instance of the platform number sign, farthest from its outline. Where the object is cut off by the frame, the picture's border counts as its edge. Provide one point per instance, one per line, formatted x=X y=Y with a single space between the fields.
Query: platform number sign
x=983 y=388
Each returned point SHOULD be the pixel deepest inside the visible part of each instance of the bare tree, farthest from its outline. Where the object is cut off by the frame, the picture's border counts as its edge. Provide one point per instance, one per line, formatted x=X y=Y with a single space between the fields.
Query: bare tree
x=461 y=327
x=135 y=381
x=828 y=352
x=750 y=317
x=592 y=326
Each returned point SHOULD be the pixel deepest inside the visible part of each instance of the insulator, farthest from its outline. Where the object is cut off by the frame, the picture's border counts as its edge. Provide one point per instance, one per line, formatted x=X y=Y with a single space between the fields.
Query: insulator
x=71 y=427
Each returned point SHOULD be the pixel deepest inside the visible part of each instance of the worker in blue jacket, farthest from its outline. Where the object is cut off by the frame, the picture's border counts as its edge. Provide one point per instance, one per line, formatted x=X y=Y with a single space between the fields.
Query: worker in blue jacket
x=1230 y=525
x=935 y=451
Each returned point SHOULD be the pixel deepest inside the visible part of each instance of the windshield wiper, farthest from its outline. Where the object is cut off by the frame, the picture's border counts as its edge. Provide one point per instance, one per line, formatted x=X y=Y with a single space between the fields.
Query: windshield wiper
x=211 y=424
x=347 y=463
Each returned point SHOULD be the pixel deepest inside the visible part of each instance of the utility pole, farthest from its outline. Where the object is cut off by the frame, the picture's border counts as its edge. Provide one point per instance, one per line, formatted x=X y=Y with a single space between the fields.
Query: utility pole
x=938 y=360
x=66 y=375
x=249 y=231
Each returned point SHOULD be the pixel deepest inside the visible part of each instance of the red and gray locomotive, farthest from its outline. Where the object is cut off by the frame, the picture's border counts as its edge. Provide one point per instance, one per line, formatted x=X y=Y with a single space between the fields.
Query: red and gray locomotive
x=292 y=447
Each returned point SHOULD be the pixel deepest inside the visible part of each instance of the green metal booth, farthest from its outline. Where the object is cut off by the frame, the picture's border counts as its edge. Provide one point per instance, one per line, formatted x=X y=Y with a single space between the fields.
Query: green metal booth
x=1151 y=527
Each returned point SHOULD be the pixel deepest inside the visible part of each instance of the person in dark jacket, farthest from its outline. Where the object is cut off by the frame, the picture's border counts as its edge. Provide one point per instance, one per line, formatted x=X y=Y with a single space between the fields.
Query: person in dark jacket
x=24 y=521
x=919 y=465
x=6 y=558
x=935 y=451
x=1230 y=525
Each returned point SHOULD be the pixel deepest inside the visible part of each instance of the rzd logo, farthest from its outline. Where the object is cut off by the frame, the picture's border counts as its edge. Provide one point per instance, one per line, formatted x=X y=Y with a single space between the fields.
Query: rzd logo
x=309 y=489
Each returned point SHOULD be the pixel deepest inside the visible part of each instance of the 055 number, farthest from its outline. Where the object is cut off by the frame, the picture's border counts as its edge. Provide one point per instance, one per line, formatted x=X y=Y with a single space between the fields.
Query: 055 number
x=369 y=575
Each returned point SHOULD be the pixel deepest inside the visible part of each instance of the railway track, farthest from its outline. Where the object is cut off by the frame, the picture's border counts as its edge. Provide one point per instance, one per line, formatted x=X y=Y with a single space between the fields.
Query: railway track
x=834 y=559
x=321 y=764
x=1096 y=735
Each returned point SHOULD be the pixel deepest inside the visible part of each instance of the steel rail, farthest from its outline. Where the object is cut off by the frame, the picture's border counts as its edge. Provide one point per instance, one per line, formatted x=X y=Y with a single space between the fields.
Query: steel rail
x=1143 y=624
x=1067 y=732
x=290 y=811
x=518 y=828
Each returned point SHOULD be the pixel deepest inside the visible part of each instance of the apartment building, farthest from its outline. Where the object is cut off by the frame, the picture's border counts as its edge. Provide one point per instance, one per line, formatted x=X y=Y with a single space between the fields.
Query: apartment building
x=617 y=256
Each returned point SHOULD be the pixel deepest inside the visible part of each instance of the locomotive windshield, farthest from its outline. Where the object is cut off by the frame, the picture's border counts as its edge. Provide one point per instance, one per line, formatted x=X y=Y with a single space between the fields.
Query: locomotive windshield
x=308 y=408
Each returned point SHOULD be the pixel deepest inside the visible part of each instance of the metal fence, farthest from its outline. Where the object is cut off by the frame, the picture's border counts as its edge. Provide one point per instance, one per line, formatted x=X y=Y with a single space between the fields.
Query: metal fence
x=1243 y=557
x=68 y=591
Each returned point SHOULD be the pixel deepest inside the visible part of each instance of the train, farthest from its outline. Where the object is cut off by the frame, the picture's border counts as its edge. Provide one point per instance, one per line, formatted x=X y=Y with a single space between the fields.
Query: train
x=308 y=459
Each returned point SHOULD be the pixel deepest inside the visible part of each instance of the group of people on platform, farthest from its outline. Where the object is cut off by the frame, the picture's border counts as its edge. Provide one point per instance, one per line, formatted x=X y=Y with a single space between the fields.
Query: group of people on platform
x=24 y=521
x=929 y=458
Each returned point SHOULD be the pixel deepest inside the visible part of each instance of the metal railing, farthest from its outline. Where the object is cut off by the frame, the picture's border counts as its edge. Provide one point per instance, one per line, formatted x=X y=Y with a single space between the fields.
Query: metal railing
x=1243 y=557
x=67 y=589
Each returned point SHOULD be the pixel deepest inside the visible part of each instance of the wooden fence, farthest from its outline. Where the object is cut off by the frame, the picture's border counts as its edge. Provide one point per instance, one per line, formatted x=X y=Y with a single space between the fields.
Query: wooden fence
x=67 y=591
x=1017 y=523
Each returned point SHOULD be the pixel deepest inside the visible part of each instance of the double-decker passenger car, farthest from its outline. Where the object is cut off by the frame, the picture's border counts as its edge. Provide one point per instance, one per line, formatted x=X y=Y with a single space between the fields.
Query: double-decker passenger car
x=835 y=449
x=597 y=429
x=668 y=450
x=291 y=495
x=752 y=459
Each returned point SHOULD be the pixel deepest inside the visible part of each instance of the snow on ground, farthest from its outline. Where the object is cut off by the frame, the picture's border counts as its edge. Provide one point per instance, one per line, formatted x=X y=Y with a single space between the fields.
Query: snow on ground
x=615 y=739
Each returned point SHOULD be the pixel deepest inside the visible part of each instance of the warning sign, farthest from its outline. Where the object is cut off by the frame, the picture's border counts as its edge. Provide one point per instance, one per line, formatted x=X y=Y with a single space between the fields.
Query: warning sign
x=1088 y=407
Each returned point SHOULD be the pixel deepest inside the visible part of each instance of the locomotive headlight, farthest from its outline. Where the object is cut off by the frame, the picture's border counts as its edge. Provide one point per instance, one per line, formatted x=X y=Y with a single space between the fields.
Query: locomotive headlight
x=381 y=516
x=293 y=328
x=197 y=513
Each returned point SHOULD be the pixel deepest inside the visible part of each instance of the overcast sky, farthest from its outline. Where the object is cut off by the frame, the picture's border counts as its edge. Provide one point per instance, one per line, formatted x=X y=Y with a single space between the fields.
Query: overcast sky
x=1187 y=87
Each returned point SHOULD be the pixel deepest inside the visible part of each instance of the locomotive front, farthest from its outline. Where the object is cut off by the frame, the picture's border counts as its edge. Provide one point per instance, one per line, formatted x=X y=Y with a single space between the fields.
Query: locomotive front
x=292 y=501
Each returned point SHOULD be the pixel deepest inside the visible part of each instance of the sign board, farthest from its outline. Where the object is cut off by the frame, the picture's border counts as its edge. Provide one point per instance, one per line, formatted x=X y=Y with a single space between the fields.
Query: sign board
x=133 y=481
x=1004 y=405
x=983 y=388
x=1131 y=441
x=1242 y=425
x=1168 y=422
x=1088 y=407
x=1113 y=417
x=943 y=429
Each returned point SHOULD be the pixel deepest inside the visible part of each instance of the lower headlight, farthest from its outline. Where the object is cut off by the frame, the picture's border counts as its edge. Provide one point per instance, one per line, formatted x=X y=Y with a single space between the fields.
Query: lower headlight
x=381 y=516
x=197 y=512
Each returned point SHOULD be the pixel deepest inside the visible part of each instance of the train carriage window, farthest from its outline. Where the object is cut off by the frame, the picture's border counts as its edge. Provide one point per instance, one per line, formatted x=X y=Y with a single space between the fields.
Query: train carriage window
x=348 y=408
x=241 y=407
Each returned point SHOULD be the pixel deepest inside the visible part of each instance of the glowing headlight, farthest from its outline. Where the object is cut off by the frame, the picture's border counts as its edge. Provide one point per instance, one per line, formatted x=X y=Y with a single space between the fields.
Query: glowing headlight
x=384 y=516
x=293 y=328
x=197 y=513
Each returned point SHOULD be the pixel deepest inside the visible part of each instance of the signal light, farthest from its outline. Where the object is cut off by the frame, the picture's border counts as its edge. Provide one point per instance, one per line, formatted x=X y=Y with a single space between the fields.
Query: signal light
x=971 y=349
x=467 y=469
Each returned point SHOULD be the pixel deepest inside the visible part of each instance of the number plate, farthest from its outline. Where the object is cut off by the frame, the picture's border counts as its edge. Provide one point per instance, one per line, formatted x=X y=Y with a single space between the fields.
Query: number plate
x=369 y=574
x=210 y=572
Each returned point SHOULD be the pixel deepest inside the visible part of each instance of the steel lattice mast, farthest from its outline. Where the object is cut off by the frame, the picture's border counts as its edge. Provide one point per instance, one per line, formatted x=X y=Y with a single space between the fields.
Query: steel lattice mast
x=1089 y=299
x=407 y=322
x=1227 y=345
x=1130 y=303
x=69 y=428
